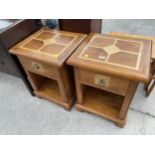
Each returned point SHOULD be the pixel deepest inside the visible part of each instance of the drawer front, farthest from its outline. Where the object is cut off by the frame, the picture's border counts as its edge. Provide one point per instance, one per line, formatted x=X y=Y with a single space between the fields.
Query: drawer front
x=38 y=67
x=105 y=82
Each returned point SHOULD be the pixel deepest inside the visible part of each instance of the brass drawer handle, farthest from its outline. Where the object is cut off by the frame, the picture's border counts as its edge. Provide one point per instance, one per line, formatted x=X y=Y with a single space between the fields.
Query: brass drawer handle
x=37 y=67
x=102 y=80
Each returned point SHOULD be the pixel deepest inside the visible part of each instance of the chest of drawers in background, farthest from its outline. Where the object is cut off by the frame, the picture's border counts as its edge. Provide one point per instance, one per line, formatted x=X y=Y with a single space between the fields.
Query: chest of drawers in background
x=81 y=25
x=12 y=31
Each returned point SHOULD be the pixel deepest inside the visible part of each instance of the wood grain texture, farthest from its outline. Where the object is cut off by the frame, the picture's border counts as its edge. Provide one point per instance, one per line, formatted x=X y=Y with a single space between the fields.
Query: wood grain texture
x=102 y=103
x=127 y=100
x=103 y=87
x=115 y=85
x=49 y=46
x=43 y=68
x=59 y=89
x=114 y=55
x=79 y=89
x=124 y=34
x=151 y=84
x=43 y=56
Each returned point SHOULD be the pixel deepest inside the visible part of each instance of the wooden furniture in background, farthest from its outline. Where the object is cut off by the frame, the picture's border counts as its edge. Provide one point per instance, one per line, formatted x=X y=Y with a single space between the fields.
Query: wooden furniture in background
x=107 y=72
x=81 y=25
x=150 y=85
x=11 y=32
x=43 y=57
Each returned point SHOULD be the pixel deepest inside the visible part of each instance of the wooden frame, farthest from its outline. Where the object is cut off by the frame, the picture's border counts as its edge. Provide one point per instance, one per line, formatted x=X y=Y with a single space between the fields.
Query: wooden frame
x=151 y=84
x=43 y=56
x=107 y=71
x=106 y=111
x=54 y=90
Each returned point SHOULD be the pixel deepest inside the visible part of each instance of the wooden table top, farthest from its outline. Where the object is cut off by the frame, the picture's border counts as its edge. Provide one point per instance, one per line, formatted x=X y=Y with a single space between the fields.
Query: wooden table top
x=49 y=46
x=124 y=34
x=114 y=55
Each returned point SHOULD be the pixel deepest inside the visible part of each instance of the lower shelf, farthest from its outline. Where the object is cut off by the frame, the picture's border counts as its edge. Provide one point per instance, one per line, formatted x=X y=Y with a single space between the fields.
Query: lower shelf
x=102 y=103
x=48 y=89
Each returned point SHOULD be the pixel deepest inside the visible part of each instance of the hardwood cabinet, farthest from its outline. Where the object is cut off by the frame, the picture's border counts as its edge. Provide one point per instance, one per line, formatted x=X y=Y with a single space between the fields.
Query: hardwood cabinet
x=43 y=56
x=81 y=25
x=107 y=71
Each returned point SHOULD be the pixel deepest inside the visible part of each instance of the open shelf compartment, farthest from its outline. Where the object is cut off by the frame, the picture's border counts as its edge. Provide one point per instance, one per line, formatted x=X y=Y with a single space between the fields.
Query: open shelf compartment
x=45 y=87
x=102 y=103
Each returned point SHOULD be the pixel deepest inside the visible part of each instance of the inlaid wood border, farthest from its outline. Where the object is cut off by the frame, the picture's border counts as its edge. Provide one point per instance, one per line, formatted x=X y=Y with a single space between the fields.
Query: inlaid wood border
x=47 y=54
x=106 y=61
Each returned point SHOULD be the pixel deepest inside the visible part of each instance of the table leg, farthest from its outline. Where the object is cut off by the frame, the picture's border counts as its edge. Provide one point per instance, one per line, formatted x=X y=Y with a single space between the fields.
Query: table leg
x=127 y=100
x=61 y=85
x=79 y=89
x=151 y=84
x=150 y=87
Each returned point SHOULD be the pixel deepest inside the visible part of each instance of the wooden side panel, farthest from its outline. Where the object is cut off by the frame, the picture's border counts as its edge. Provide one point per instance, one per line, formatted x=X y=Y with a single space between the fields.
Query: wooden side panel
x=79 y=88
x=127 y=100
x=68 y=76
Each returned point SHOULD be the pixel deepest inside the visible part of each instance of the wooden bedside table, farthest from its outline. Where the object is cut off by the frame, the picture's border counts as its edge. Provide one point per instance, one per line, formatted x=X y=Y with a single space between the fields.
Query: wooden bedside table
x=43 y=57
x=107 y=72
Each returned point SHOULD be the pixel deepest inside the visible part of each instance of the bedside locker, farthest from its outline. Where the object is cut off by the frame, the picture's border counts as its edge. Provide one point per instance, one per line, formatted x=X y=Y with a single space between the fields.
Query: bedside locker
x=43 y=57
x=107 y=72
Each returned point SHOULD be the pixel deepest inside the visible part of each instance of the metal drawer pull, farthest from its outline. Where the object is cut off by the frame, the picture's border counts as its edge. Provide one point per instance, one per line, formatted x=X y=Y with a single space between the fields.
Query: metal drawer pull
x=102 y=80
x=37 y=67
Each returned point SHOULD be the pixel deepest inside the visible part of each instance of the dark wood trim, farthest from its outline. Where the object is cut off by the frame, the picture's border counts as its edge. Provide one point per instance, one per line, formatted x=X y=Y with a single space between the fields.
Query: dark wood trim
x=81 y=25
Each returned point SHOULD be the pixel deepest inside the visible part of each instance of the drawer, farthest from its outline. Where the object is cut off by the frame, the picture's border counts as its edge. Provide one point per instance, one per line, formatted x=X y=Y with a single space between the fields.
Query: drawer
x=104 y=82
x=39 y=67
